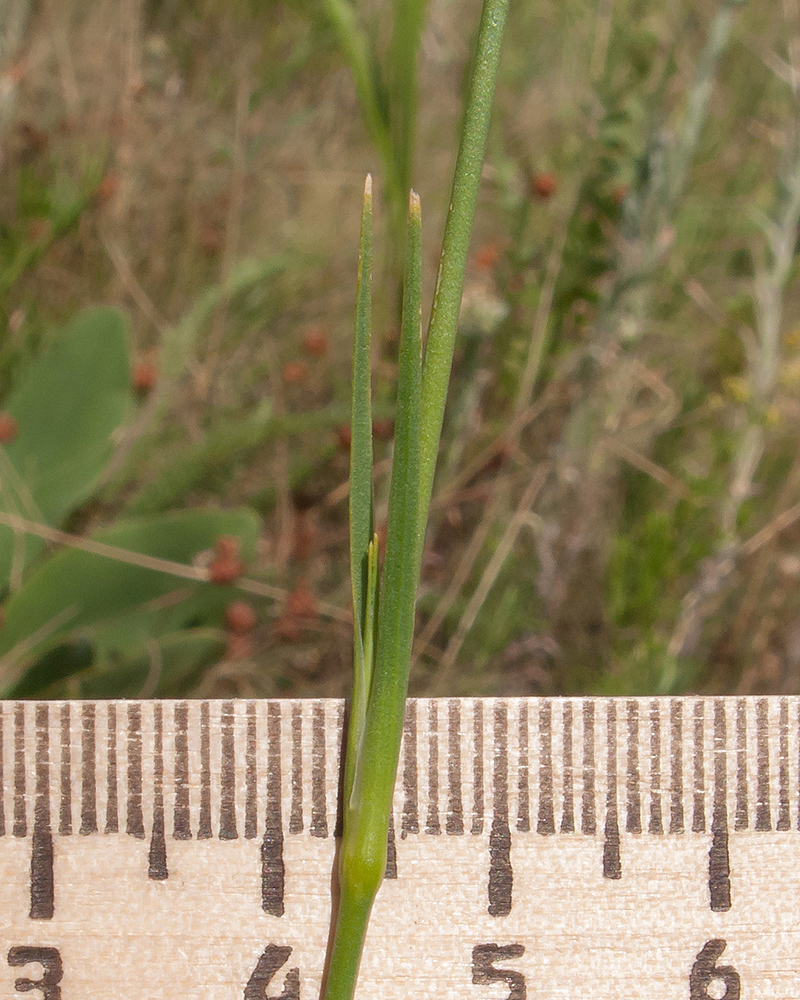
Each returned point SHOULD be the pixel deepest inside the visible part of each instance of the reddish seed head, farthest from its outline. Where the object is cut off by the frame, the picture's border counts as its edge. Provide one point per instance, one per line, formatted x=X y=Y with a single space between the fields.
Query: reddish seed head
x=487 y=256
x=210 y=239
x=16 y=71
x=287 y=628
x=107 y=188
x=343 y=436
x=240 y=617
x=227 y=547
x=543 y=185
x=301 y=603
x=382 y=429
x=295 y=372
x=8 y=428
x=145 y=376
x=239 y=647
x=315 y=342
x=33 y=139
x=619 y=193
x=227 y=567
x=304 y=536
x=223 y=571
x=39 y=230
x=138 y=87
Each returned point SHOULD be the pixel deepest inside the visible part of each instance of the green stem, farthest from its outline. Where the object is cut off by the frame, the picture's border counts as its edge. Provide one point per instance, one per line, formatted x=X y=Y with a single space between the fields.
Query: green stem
x=373 y=745
x=351 y=930
x=357 y=49
x=455 y=246
x=374 y=739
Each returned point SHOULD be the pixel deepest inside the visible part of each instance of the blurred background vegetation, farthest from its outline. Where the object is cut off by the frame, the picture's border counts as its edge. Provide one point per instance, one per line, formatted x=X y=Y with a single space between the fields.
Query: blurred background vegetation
x=617 y=508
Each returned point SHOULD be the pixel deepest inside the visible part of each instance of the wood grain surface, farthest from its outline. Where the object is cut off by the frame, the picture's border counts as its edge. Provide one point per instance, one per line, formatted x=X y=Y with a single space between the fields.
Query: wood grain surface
x=576 y=848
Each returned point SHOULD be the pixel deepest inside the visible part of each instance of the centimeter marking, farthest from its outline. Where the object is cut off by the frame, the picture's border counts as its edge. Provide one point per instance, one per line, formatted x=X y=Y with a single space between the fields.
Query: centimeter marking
x=608 y=769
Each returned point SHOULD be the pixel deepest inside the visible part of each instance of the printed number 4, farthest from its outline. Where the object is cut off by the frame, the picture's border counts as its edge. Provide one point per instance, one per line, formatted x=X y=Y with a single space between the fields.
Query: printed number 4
x=274 y=957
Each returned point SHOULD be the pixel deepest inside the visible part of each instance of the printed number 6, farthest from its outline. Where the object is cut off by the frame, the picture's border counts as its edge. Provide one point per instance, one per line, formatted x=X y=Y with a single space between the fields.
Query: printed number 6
x=705 y=970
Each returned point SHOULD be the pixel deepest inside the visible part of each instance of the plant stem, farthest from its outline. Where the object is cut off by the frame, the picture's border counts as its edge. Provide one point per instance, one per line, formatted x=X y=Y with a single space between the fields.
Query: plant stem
x=373 y=744
x=381 y=671
x=403 y=90
x=361 y=512
x=455 y=246
x=351 y=930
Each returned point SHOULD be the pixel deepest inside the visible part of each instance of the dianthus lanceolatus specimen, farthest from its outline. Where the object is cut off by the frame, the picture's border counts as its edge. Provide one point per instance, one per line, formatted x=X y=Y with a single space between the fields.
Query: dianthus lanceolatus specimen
x=383 y=604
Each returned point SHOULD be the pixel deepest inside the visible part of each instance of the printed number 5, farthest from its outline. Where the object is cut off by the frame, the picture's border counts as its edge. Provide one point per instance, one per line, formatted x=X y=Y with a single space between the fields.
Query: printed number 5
x=483 y=971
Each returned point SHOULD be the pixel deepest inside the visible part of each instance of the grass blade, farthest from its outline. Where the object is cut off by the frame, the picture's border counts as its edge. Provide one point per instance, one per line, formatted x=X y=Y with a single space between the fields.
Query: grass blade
x=401 y=567
x=361 y=526
x=409 y=19
x=357 y=49
x=361 y=515
x=362 y=859
x=455 y=245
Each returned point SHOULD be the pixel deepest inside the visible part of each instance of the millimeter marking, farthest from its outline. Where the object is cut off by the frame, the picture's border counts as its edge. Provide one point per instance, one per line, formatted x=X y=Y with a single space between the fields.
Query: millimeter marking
x=612 y=770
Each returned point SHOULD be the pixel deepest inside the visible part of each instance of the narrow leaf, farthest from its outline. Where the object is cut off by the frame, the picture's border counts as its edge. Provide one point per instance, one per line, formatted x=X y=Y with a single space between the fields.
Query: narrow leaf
x=443 y=324
x=409 y=20
x=371 y=614
x=362 y=860
x=361 y=526
x=401 y=568
x=364 y=671
x=361 y=517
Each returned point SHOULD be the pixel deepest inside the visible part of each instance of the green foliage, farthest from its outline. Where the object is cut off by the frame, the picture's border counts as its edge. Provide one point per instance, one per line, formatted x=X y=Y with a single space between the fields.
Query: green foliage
x=382 y=654
x=68 y=406
x=88 y=615
x=664 y=134
x=638 y=567
x=48 y=207
x=76 y=591
x=387 y=89
x=647 y=668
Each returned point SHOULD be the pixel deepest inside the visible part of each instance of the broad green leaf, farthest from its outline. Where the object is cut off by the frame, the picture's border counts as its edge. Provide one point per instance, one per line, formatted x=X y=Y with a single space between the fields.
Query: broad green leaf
x=76 y=591
x=160 y=669
x=68 y=406
x=48 y=676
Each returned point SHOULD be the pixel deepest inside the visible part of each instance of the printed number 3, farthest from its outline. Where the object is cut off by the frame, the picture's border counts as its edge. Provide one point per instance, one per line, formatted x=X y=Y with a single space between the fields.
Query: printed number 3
x=49 y=959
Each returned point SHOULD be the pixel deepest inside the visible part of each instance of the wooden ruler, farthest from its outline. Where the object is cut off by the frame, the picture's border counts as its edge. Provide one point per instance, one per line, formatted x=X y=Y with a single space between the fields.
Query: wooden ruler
x=596 y=848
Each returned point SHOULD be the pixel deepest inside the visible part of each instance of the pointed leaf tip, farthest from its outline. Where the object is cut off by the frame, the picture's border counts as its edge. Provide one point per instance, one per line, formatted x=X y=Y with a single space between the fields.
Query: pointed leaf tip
x=368 y=188
x=414 y=206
